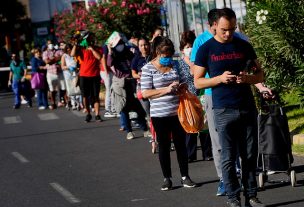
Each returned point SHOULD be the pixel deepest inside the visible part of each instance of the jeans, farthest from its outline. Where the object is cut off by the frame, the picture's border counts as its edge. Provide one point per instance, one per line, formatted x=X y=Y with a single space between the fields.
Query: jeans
x=237 y=130
x=21 y=88
x=107 y=78
x=42 y=97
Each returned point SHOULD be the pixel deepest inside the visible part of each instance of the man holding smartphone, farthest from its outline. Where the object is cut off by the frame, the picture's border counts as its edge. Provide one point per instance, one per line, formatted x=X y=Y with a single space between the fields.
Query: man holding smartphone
x=224 y=57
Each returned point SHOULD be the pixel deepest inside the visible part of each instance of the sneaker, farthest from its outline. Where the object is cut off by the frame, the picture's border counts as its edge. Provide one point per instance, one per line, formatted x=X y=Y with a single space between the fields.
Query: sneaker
x=130 y=135
x=254 y=202
x=221 y=189
x=188 y=183
x=88 y=118
x=41 y=108
x=270 y=172
x=167 y=184
x=23 y=102
x=98 y=118
x=235 y=203
x=59 y=104
x=17 y=106
x=147 y=134
x=109 y=114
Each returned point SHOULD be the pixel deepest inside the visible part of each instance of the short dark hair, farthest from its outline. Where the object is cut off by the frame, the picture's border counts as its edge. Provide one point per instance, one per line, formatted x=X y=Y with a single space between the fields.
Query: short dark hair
x=142 y=38
x=187 y=37
x=227 y=13
x=213 y=16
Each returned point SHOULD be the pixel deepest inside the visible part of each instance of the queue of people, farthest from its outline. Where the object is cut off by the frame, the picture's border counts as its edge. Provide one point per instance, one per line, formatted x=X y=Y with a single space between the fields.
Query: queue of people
x=142 y=76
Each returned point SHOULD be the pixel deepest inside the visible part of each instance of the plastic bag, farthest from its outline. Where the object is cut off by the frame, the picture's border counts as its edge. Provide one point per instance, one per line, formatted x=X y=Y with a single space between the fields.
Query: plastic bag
x=38 y=80
x=190 y=112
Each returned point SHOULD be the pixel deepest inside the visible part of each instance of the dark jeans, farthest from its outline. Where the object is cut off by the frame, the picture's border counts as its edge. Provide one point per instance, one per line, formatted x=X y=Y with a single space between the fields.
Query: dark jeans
x=42 y=97
x=191 y=143
x=165 y=128
x=237 y=131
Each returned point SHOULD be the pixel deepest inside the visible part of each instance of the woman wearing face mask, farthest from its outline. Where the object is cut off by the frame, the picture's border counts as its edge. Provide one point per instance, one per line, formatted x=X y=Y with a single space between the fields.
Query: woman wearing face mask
x=123 y=99
x=159 y=81
x=186 y=43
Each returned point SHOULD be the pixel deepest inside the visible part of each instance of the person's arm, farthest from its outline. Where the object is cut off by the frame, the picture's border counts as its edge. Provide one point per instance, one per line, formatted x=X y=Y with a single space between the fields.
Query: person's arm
x=24 y=70
x=156 y=93
x=147 y=89
x=201 y=82
x=63 y=63
x=10 y=78
x=135 y=74
x=104 y=63
x=256 y=77
x=74 y=50
x=96 y=54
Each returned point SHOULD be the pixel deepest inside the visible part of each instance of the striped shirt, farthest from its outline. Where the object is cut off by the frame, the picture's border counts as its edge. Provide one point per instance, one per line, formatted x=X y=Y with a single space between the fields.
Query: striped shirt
x=151 y=78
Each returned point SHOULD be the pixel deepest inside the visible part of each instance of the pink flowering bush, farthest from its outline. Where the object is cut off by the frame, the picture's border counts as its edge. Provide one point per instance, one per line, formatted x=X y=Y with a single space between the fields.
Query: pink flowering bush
x=126 y=16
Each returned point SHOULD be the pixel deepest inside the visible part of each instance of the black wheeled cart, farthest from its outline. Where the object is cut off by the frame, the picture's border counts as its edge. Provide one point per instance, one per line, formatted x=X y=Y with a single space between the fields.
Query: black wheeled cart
x=275 y=154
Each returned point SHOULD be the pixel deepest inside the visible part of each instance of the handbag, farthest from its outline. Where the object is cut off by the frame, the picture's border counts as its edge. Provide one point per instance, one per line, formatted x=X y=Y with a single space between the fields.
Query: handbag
x=38 y=80
x=190 y=112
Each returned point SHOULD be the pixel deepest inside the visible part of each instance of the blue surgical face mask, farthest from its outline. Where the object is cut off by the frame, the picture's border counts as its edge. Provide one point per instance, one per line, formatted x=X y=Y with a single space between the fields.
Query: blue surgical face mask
x=165 y=61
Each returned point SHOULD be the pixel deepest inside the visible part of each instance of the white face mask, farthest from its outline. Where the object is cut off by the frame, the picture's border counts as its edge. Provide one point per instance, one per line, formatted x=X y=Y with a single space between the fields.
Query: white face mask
x=120 y=47
x=187 y=51
x=50 y=46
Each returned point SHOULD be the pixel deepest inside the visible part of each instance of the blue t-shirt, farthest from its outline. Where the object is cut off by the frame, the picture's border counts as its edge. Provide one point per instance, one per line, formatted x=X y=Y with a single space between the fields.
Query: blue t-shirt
x=199 y=41
x=219 y=57
x=138 y=62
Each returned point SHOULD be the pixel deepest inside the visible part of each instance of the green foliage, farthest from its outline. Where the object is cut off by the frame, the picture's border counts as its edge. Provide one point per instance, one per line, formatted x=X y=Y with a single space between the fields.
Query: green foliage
x=102 y=19
x=276 y=30
x=298 y=149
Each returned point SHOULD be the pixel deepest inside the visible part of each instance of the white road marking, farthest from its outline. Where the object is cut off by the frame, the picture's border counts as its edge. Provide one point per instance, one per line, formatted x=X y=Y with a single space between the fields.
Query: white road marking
x=48 y=116
x=20 y=157
x=78 y=113
x=138 y=199
x=12 y=120
x=65 y=193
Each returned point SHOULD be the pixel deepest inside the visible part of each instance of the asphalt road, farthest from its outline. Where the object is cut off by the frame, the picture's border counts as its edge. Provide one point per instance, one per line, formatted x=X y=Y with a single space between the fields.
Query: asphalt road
x=54 y=159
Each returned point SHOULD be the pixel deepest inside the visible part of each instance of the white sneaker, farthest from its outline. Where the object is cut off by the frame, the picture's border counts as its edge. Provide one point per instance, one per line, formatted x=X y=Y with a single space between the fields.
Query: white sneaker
x=41 y=108
x=270 y=172
x=23 y=102
x=109 y=114
x=130 y=135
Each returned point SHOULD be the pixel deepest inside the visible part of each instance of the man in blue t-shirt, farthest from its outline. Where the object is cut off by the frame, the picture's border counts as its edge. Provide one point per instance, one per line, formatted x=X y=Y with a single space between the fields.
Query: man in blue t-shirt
x=225 y=58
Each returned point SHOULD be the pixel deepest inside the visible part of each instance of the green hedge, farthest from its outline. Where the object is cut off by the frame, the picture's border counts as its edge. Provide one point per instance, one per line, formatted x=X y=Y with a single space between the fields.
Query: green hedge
x=276 y=30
